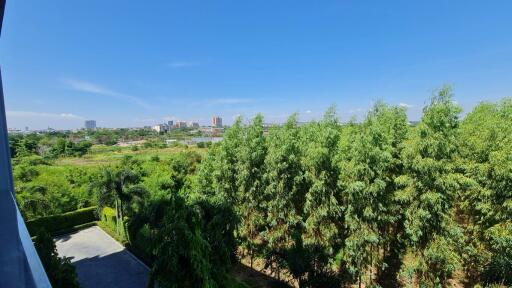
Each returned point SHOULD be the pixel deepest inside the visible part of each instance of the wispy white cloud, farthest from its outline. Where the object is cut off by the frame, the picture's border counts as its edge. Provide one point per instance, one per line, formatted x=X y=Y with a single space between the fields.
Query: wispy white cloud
x=405 y=105
x=233 y=100
x=88 y=87
x=308 y=112
x=183 y=64
x=55 y=116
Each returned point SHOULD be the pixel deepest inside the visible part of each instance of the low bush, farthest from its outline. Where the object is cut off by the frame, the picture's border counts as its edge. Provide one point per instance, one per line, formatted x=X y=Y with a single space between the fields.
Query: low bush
x=55 y=224
x=108 y=219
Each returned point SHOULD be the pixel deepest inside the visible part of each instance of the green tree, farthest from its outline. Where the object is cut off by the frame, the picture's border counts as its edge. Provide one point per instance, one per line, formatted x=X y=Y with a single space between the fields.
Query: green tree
x=250 y=182
x=118 y=187
x=485 y=158
x=429 y=188
x=284 y=193
x=182 y=255
x=227 y=162
x=217 y=176
x=321 y=207
x=23 y=145
x=33 y=201
x=369 y=166
x=218 y=223
x=59 y=270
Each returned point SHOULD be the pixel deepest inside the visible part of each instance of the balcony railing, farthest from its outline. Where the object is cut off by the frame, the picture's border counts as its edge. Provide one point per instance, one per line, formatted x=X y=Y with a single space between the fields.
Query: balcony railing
x=20 y=265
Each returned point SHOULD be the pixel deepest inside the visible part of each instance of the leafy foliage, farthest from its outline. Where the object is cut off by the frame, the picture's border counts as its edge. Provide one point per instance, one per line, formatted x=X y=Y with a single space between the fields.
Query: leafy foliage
x=59 y=270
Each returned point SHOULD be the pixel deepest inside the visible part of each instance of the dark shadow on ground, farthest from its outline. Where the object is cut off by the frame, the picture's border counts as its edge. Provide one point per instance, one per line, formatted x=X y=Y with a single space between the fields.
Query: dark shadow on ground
x=63 y=238
x=118 y=269
x=256 y=279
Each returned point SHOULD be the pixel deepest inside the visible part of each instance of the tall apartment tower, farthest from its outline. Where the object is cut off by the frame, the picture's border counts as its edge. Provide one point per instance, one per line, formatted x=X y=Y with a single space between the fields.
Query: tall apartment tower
x=216 y=121
x=90 y=124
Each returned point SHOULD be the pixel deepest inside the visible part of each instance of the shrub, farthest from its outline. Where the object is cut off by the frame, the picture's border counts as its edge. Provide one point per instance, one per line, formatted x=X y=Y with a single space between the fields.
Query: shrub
x=60 y=271
x=498 y=270
x=25 y=173
x=34 y=160
x=108 y=217
x=55 y=224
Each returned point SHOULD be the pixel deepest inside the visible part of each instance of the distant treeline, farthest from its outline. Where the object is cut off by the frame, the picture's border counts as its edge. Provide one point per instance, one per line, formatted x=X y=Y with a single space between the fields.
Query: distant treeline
x=55 y=144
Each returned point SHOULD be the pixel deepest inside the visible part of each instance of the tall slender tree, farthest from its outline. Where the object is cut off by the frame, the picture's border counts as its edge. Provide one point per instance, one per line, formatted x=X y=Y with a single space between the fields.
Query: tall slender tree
x=485 y=158
x=367 y=178
x=284 y=192
x=118 y=187
x=227 y=159
x=429 y=187
x=250 y=182
x=322 y=206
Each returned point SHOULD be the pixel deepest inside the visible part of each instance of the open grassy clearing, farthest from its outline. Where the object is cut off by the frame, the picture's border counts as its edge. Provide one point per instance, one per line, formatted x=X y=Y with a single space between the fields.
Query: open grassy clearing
x=101 y=154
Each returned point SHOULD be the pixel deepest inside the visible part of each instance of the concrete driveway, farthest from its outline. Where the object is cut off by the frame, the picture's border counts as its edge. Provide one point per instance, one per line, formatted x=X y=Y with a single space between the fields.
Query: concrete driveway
x=101 y=261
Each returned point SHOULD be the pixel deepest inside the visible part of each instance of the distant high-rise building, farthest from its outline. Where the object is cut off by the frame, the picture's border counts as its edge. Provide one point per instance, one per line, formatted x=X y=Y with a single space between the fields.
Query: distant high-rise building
x=216 y=121
x=90 y=124
x=170 y=123
x=160 y=128
x=193 y=124
x=181 y=124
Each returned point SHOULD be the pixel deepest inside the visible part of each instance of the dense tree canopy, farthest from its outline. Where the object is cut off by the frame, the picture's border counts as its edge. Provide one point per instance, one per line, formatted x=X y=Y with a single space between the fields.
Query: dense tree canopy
x=379 y=202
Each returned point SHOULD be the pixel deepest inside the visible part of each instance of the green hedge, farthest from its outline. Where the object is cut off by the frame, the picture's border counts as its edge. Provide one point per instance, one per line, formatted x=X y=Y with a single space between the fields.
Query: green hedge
x=108 y=219
x=55 y=224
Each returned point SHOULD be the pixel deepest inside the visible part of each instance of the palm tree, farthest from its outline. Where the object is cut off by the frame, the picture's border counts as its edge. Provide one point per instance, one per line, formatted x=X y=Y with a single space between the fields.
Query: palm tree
x=120 y=186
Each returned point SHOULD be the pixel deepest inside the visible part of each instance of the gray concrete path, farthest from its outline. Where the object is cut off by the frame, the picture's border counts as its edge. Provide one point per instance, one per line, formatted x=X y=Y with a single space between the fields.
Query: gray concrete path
x=101 y=261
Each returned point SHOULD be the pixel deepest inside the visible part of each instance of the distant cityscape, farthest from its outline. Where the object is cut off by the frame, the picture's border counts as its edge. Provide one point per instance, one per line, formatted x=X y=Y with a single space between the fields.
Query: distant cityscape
x=167 y=127
x=215 y=127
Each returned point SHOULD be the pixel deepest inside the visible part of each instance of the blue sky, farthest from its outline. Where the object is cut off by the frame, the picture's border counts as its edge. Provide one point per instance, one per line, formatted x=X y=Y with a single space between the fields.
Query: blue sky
x=135 y=63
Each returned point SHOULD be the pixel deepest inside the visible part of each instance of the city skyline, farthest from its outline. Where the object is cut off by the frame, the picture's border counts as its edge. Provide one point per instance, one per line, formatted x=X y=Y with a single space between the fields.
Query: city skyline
x=188 y=60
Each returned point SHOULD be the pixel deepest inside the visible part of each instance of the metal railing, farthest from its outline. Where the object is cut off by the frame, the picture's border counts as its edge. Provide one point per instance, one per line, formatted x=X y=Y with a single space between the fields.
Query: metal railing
x=20 y=265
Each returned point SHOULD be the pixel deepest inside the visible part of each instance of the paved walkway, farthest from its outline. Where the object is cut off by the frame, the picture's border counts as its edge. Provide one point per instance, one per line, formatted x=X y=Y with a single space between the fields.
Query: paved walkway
x=101 y=261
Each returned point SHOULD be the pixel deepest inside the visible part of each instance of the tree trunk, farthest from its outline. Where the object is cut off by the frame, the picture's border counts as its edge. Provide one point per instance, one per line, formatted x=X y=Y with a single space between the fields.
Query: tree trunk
x=121 y=232
x=117 y=216
x=251 y=254
x=370 y=278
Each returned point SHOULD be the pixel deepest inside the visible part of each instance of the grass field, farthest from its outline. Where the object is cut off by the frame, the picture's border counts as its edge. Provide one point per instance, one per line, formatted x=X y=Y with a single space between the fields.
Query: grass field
x=101 y=154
